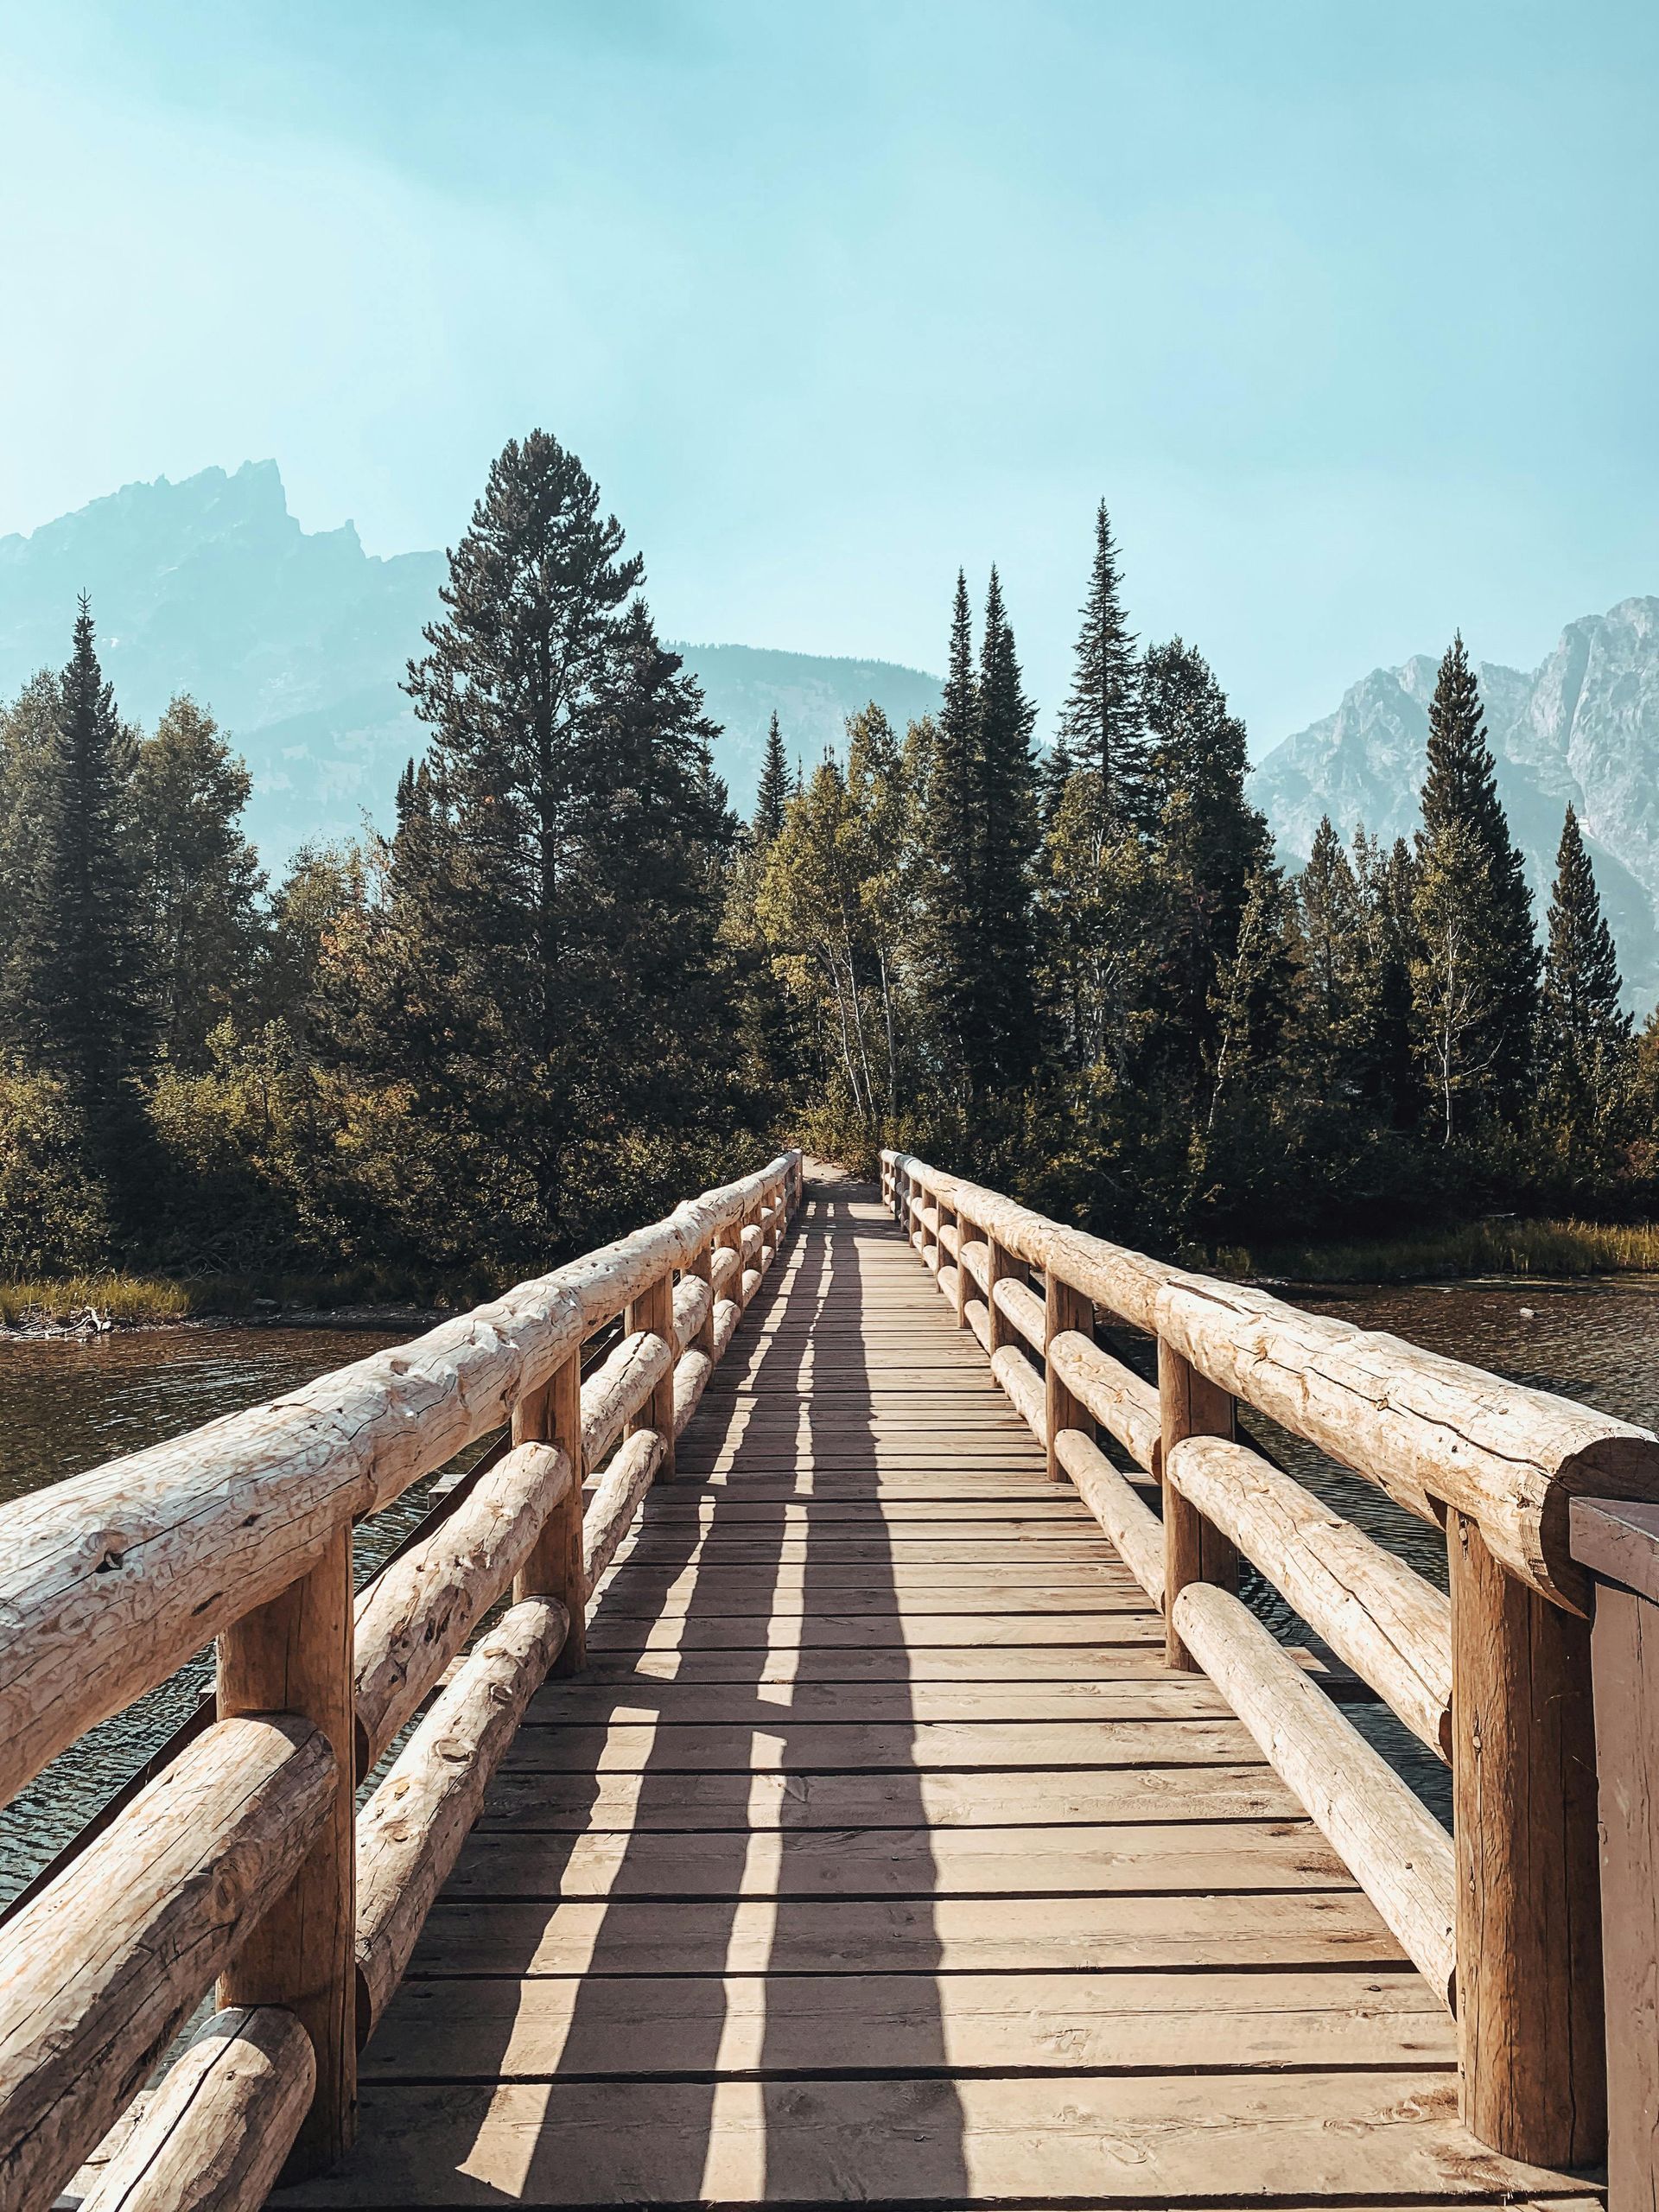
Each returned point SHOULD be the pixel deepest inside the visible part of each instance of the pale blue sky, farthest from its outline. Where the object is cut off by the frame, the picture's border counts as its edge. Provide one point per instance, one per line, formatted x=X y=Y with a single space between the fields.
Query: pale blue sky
x=1349 y=313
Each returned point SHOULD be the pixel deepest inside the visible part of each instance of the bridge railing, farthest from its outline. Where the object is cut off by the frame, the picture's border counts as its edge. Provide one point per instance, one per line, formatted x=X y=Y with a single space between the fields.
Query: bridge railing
x=1502 y=1915
x=242 y=1862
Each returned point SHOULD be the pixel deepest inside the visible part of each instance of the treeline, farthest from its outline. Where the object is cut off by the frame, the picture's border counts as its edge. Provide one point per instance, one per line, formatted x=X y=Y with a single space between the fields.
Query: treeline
x=1082 y=975
x=570 y=985
x=462 y=1050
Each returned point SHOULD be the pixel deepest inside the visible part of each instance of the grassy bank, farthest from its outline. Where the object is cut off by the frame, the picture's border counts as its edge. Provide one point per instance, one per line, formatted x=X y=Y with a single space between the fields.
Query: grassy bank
x=151 y=1301
x=1546 y=1249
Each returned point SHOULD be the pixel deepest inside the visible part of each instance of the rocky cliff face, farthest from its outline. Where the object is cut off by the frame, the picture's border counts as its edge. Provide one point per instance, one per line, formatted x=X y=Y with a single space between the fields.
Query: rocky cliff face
x=297 y=641
x=1584 y=727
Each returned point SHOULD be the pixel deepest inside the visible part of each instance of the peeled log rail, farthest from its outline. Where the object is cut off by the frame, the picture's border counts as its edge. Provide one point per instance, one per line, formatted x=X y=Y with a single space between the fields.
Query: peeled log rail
x=1119 y=1400
x=725 y=1270
x=616 y=1500
x=693 y=1303
x=417 y=1614
x=1390 y=1626
x=1426 y=1430
x=976 y=1257
x=691 y=1373
x=1394 y=1848
x=977 y=1314
x=727 y=1313
x=111 y=1581
x=1121 y=1512
x=614 y=1392
x=213 y=2137
x=1018 y=1303
x=1024 y=1386
x=104 y=1966
x=411 y=1833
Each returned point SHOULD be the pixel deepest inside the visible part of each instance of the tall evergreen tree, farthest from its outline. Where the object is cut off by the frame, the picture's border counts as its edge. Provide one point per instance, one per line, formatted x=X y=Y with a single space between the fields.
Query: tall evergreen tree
x=1003 y=1040
x=1102 y=725
x=953 y=844
x=1390 y=1070
x=1335 y=961
x=78 y=1000
x=1585 y=1038
x=1475 y=976
x=773 y=793
x=1207 y=843
x=544 y=948
x=201 y=877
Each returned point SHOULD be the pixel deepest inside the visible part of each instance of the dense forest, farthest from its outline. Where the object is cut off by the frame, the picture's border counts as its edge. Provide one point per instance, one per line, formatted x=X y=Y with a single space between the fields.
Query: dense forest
x=570 y=986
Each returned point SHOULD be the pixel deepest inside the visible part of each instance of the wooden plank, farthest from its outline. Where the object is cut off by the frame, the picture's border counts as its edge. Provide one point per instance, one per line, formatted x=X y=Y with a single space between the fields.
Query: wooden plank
x=685 y=1802
x=1039 y=1744
x=765 y=1674
x=1314 y=1928
x=1213 y=1856
x=910 y=1628
x=812 y=2023
x=1084 y=2138
x=1142 y=1691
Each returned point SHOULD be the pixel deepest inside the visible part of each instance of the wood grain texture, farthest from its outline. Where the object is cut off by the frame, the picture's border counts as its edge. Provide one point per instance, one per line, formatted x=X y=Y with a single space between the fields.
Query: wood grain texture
x=1529 y=1973
x=1391 y=1627
x=418 y=1613
x=1195 y=1550
x=556 y=1567
x=103 y=1968
x=215 y=2135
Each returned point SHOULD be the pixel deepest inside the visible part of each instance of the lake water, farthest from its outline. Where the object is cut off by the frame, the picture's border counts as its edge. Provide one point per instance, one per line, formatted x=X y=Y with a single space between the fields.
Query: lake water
x=66 y=1405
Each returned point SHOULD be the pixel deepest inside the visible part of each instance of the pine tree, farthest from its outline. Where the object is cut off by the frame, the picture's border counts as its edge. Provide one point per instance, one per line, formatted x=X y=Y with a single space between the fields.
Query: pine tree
x=1003 y=1041
x=953 y=842
x=542 y=977
x=1102 y=723
x=1391 y=1071
x=1584 y=1039
x=1475 y=976
x=201 y=880
x=78 y=999
x=1335 y=951
x=1207 y=843
x=775 y=792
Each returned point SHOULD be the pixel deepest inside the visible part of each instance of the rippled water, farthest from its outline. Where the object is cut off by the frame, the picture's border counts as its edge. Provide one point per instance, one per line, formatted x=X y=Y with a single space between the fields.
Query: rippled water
x=68 y=1405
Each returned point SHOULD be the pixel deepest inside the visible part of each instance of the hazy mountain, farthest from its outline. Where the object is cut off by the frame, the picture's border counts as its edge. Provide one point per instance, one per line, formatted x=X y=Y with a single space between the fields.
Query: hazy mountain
x=1584 y=727
x=297 y=639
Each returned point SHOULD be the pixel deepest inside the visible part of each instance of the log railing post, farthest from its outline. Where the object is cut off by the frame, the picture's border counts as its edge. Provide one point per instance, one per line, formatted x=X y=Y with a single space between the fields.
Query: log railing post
x=653 y=1309
x=1195 y=1550
x=294 y=1655
x=1532 y=2058
x=554 y=1568
x=964 y=1281
x=999 y=1261
x=1063 y=1308
x=700 y=1265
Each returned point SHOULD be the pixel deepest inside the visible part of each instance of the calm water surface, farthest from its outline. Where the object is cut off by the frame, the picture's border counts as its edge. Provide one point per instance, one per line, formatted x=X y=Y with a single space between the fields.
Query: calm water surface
x=68 y=1405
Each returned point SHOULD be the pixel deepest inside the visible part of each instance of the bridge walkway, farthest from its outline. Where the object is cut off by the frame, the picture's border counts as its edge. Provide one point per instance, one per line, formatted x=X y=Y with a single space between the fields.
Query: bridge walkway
x=875 y=1856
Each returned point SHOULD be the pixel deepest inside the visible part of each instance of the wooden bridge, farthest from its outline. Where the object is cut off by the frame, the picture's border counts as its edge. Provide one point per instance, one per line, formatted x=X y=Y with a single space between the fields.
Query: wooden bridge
x=871 y=1789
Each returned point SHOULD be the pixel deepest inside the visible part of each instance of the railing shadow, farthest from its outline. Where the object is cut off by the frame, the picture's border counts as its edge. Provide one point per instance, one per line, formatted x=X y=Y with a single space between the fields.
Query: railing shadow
x=729 y=1960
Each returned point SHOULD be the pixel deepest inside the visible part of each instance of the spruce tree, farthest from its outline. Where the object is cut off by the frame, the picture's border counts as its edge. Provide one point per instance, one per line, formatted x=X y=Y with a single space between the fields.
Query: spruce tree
x=201 y=880
x=773 y=793
x=1003 y=1040
x=1332 y=1023
x=953 y=842
x=1207 y=843
x=1475 y=973
x=1585 y=1038
x=549 y=923
x=79 y=985
x=1391 y=1071
x=1101 y=724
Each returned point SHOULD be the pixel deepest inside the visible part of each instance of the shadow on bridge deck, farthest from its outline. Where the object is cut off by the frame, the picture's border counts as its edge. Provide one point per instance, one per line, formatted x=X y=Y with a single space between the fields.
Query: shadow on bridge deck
x=876 y=1857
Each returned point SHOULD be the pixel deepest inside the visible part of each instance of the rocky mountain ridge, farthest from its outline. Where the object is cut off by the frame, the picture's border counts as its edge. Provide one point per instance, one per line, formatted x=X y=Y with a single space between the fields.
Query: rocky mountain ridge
x=296 y=640
x=1582 y=725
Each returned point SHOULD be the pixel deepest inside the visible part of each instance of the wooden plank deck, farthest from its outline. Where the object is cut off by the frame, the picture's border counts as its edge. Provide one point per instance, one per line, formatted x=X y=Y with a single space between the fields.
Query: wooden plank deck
x=877 y=1858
